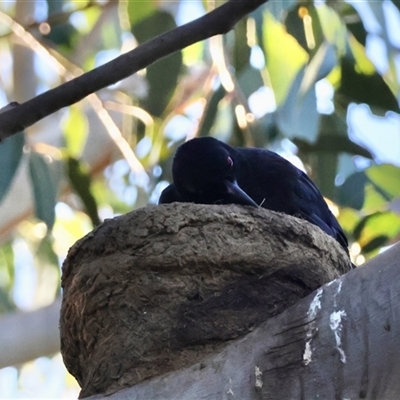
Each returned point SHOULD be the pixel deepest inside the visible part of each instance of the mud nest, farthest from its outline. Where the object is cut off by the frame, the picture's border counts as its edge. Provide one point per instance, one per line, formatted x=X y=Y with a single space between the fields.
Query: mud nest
x=160 y=288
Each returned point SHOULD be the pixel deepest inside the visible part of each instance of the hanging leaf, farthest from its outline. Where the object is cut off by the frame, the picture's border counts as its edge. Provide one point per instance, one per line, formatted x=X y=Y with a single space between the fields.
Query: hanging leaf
x=351 y=193
x=284 y=57
x=241 y=50
x=81 y=182
x=6 y=277
x=210 y=112
x=44 y=189
x=139 y=10
x=277 y=8
x=370 y=89
x=250 y=80
x=162 y=75
x=10 y=157
x=302 y=22
x=61 y=33
x=319 y=67
x=387 y=178
x=298 y=116
x=333 y=29
x=353 y=22
x=370 y=189
x=376 y=229
x=75 y=129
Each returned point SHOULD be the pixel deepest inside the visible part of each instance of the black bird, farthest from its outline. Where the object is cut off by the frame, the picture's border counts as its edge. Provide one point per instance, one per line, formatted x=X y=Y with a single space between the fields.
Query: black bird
x=208 y=171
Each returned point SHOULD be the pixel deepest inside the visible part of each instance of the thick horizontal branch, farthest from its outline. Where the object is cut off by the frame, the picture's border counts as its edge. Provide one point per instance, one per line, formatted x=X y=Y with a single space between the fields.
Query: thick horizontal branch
x=26 y=336
x=219 y=21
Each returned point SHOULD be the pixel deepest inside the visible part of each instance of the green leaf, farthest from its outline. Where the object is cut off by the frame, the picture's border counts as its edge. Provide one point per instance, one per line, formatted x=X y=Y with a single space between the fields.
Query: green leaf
x=370 y=89
x=363 y=64
x=298 y=116
x=241 y=50
x=374 y=244
x=302 y=22
x=387 y=178
x=284 y=57
x=351 y=193
x=211 y=111
x=250 y=80
x=75 y=130
x=371 y=189
x=139 y=10
x=10 y=157
x=371 y=230
x=278 y=8
x=319 y=67
x=44 y=189
x=46 y=253
x=162 y=75
x=354 y=23
x=62 y=32
x=348 y=218
x=333 y=29
x=81 y=182
x=7 y=272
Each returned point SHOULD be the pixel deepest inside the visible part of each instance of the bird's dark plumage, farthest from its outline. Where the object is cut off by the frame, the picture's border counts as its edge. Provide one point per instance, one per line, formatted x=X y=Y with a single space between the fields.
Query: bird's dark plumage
x=208 y=171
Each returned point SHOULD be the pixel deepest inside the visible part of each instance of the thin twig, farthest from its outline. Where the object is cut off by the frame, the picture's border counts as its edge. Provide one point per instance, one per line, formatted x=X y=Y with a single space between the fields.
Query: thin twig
x=219 y=21
x=66 y=73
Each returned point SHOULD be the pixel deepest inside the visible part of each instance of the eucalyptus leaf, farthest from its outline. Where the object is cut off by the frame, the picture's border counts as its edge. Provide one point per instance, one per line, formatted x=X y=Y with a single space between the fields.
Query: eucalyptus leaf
x=298 y=116
x=278 y=8
x=285 y=58
x=387 y=178
x=372 y=229
x=162 y=75
x=44 y=189
x=139 y=10
x=370 y=89
x=351 y=193
x=75 y=129
x=62 y=32
x=81 y=182
x=10 y=157
x=250 y=80
x=210 y=112
x=303 y=23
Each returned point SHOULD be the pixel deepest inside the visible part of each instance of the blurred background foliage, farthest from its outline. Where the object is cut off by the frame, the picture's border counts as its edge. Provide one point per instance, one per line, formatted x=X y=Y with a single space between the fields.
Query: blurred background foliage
x=316 y=81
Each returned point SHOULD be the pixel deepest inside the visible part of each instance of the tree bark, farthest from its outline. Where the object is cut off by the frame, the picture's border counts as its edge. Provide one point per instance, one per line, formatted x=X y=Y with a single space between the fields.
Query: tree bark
x=340 y=342
x=163 y=287
x=25 y=336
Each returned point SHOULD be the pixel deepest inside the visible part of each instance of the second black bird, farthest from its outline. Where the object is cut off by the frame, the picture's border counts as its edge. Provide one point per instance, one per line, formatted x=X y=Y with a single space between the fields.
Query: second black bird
x=208 y=171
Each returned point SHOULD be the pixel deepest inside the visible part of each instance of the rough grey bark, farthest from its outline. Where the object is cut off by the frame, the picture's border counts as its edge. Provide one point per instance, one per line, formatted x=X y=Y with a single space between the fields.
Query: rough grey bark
x=160 y=288
x=340 y=342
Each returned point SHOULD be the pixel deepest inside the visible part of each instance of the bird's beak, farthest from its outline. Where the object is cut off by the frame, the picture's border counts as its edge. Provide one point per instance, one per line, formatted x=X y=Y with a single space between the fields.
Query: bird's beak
x=237 y=195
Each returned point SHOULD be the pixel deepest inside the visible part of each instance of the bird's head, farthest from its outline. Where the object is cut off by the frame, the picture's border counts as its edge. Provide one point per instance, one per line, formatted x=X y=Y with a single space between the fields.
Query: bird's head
x=204 y=172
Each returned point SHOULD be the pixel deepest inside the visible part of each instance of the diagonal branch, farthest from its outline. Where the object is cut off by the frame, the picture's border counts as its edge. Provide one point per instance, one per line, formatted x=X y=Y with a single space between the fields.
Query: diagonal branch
x=219 y=21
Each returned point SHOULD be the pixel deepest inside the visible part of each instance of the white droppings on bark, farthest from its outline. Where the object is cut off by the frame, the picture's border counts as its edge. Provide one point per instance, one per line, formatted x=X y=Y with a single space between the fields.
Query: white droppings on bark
x=258 y=374
x=307 y=355
x=336 y=326
x=315 y=306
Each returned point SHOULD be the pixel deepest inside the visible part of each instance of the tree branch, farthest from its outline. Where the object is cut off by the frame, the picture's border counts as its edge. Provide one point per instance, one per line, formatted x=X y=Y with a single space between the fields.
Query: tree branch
x=219 y=21
x=25 y=336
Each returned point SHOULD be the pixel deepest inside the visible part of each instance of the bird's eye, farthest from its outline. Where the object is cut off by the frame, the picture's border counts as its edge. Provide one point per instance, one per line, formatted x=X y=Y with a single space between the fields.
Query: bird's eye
x=230 y=162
